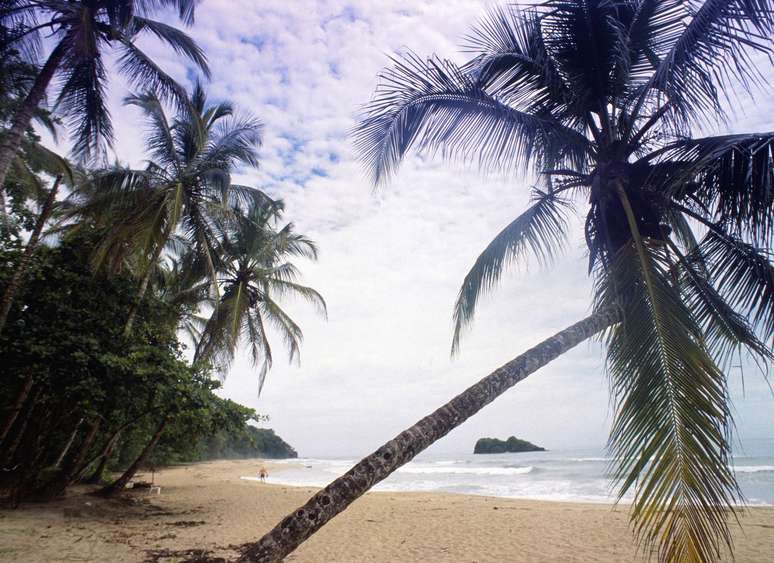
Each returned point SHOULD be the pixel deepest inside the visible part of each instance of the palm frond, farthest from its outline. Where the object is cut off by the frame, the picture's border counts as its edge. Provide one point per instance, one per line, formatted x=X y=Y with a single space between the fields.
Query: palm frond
x=288 y=329
x=744 y=275
x=540 y=230
x=82 y=102
x=221 y=334
x=726 y=332
x=284 y=288
x=260 y=349
x=512 y=61
x=180 y=42
x=711 y=55
x=441 y=109
x=732 y=174
x=159 y=141
x=186 y=9
x=142 y=72
x=669 y=438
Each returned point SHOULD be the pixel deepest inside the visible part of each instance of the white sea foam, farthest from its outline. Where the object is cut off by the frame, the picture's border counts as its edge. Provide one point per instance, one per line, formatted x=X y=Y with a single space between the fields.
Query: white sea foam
x=753 y=468
x=424 y=470
x=578 y=476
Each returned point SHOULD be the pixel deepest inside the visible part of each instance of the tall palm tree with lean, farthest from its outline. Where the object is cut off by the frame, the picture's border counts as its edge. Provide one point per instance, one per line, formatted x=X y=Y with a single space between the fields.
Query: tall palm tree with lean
x=600 y=99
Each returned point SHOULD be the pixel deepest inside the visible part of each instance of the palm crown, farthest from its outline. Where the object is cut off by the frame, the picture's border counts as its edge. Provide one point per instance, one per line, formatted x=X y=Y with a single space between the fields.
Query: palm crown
x=254 y=274
x=599 y=98
x=183 y=194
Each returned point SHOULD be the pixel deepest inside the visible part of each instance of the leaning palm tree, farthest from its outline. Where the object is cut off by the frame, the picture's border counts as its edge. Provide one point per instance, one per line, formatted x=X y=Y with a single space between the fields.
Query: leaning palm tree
x=254 y=274
x=599 y=99
x=184 y=192
x=83 y=32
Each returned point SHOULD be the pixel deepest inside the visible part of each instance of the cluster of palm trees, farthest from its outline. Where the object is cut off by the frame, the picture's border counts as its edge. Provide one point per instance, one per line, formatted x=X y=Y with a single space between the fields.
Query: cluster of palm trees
x=214 y=248
x=598 y=99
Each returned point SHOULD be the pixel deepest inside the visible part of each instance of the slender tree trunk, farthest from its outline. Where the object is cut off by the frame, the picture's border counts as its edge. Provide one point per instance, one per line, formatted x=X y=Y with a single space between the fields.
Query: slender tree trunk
x=142 y=289
x=118 y=485
x=9 y=453
x=110 y=445
x=104 y=456
x=16 y=407
x=58 y=484
x=23 y=117
x=18 y=276
x=68 y=445
x=333 y=499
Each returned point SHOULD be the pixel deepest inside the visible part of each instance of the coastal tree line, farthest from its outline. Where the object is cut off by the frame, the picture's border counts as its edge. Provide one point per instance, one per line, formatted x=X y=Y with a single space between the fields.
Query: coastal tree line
x=126 y=292
x=600 y=101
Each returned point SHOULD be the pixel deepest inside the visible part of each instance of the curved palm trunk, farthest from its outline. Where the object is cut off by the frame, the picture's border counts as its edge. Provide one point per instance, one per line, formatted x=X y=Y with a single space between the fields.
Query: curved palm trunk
x=21 y=268
x=305 y=521
x=23 y=116
x=118 y=485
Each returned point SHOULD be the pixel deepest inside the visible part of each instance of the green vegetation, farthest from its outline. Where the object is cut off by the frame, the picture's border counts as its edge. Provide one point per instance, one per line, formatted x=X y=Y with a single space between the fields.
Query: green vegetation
x=252 y=442
x=152 y=278
x=112 y=332
x=511 y=445
x=80 y=400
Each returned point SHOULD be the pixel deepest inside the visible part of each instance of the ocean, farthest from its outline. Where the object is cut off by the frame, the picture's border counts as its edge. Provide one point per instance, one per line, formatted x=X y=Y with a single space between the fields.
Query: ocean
x=569 y=475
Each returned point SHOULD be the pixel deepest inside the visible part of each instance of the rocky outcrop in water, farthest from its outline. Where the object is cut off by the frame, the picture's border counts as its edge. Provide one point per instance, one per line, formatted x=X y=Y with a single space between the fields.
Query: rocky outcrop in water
x=511 y=445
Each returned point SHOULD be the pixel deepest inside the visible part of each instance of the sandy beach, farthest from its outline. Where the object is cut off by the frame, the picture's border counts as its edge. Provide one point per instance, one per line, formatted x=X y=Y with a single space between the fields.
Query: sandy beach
x=207 y=509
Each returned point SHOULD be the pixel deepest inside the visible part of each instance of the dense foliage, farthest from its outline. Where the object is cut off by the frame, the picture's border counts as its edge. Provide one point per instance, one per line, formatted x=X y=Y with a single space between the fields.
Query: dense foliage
x=84 y=398
x=95 y=375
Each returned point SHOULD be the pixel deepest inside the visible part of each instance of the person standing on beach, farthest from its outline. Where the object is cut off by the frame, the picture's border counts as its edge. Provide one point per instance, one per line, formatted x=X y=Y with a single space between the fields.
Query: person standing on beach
x=262 y=473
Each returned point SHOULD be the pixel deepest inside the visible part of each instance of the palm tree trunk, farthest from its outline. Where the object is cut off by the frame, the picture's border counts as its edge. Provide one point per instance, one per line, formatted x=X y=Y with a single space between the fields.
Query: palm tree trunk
x=23 y=116
x=305 y=521
x=16 y=407
x=16 y=280
x=104 y=456
x=142 y=289
x=65 y=477
x=68 y=445
x=118 y=485
x=110 y=444
x=9 y=453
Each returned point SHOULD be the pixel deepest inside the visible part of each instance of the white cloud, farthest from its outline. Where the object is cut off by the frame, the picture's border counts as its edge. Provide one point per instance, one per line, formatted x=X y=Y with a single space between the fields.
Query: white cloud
x=391 y=261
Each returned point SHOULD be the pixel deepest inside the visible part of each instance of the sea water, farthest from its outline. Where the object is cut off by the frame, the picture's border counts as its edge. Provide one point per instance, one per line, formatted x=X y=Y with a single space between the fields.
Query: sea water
x=561 y=475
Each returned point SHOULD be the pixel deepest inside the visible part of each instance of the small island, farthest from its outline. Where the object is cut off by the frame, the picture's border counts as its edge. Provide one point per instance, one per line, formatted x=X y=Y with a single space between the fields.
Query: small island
x=511 y=445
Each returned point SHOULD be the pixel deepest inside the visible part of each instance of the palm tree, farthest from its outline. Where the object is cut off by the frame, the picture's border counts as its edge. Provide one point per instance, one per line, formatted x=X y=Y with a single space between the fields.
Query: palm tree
x=599 y=99
x=37 y=158
x=253 y=273
x=83 y=32
x=185 y=190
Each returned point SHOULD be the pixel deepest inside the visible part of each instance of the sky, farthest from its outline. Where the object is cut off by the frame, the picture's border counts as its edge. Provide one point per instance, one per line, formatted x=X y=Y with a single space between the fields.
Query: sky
x=391 y=260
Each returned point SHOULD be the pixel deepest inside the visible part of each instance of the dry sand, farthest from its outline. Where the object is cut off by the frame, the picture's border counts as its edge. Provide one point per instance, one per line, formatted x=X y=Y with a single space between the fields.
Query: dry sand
x=207 y=508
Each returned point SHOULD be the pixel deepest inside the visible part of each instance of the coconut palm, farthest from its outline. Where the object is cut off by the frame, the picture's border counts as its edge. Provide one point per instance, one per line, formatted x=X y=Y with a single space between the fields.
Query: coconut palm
x=253 y=274
x=36 y=159
x=184 y=191
x=82 y=33
x=599 y=99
